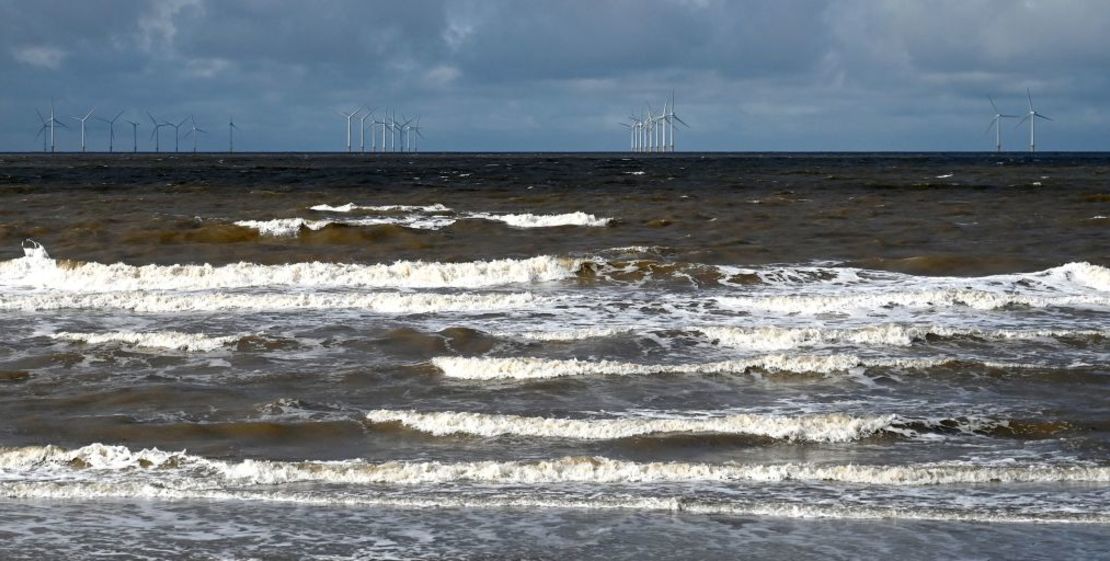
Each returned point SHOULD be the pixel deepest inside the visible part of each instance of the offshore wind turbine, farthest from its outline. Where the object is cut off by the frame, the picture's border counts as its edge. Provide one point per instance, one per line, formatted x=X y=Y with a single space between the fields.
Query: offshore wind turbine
x=194 y=131
x=350 y=116
x=231 y=134
x=156 y=134
x=362 y=129
x=53 y=121
x=1032 y=117
x=176 y=133
x=415 y=140
x=111 y=130
x=996 y=123
x=672 y=118
x=134 y=135
x=83 y=119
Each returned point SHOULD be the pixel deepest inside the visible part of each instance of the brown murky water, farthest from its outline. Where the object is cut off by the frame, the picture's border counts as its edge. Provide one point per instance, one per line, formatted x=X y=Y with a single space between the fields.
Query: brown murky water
x=553 y=356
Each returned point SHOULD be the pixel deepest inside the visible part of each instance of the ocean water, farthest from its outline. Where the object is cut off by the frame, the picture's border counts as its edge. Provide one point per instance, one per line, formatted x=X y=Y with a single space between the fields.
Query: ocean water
x=555 y=356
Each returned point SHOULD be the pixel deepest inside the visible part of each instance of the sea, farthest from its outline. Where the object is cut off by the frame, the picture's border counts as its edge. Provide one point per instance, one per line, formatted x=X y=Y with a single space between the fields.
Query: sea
x=554 y=356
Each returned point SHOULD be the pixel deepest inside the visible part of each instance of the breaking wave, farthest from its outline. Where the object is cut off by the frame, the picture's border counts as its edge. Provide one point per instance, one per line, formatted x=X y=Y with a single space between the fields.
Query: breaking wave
x=526 y=368
x=781 y=338
x=173 y=340
x=41 y=272
x=382 y=302
x=97 y=461
x=833 y=427
x=349 y=207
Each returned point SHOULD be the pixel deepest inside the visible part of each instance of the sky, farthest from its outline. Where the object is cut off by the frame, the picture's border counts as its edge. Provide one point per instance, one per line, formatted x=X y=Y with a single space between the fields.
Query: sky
x=516 y=75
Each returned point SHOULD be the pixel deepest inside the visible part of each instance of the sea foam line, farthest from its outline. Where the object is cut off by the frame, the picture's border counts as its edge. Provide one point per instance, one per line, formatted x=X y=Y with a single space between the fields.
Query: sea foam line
x=42 y=272
x=99 y=462
x=834 y=427
x=174 y=340
x=382 y=302
x=774 y=338
x=682 y=504
x=529 y=368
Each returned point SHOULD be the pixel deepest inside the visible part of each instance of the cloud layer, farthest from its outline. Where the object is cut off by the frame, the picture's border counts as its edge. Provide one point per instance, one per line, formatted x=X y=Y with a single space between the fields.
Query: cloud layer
x=505 y=75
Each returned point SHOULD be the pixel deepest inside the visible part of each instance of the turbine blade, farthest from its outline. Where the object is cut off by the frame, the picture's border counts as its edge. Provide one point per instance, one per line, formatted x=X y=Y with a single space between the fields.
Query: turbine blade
x=41 y=118
x=993 y=106
x=1029 y=97
x=994 y=121
x=1045 y=117
x=1022 y=121
x=118 y=115
x=681 y=121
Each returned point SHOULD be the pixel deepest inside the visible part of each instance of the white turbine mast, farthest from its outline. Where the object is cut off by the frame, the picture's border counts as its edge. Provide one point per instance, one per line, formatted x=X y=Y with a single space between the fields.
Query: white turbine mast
x=350 y=116
x=673 y=118
x=1032 y=117
x=194 y=130
x=83 y=119
x=996 y=124
x=53 y=121
x=111 y=130
x=362 y=129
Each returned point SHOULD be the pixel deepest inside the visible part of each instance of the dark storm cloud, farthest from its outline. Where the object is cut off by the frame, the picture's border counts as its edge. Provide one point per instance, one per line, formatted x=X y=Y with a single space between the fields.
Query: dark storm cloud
x=835 y=74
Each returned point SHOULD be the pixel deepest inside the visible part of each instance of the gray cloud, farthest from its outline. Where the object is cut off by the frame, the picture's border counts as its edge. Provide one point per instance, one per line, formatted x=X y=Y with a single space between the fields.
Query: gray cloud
x=505 y=75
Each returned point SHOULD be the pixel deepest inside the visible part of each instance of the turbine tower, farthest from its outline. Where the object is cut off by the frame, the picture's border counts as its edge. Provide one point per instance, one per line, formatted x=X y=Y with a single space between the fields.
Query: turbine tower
x=111 y=130
x=53 y=121
x=350 y=116
x=156 y=134
x=672 y=118
x=83 y=119
x=231 y=134
x=194 y=131
x=134 y=135
x=1032 y=117
x=996 y=124
x=362 y=129
x=176 y=134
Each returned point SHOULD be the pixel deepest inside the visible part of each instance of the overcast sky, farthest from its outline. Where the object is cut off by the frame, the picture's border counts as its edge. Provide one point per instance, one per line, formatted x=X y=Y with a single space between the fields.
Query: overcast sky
x=561 y=75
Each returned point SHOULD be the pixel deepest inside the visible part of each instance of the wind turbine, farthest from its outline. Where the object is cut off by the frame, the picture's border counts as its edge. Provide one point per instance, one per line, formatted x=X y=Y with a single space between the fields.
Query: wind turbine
x=156 y=134
x=996 y=124
x=350 y=116
x=415 y=140
x=83 y=119
x=176 y=133
x=111 y=130
x=672 y=117
x=134 y=135
x=194 y=130
x=231 y=134
x=1032 y=116
x=53 y=121
x=362 y=129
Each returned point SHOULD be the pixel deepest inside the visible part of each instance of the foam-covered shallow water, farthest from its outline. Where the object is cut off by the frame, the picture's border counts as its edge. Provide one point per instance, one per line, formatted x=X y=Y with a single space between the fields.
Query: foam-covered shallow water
x=533 y=357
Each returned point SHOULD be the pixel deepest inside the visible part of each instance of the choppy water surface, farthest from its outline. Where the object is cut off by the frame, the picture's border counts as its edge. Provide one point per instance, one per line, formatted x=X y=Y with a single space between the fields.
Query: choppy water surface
x=554 y=356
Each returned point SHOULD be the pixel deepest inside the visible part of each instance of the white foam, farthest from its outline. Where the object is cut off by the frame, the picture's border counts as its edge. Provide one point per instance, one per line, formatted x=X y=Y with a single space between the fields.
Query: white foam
x=842 y=303
x=291 y=227
x=96 y=461
x=381 y=208
x=174 y=340
x=45 y=273
x=382 y=302
x=812 y=428
x=782 y=338
x=527 y=368
x=528 y=220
